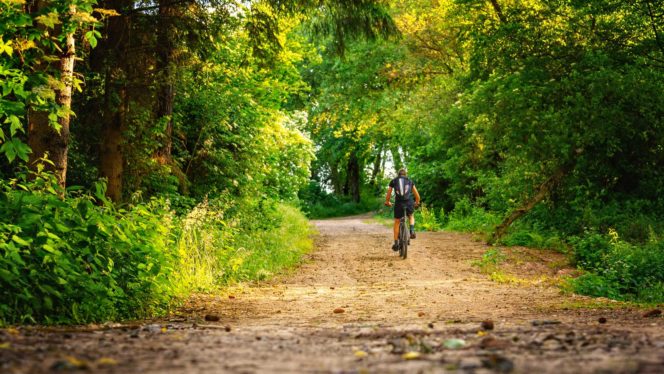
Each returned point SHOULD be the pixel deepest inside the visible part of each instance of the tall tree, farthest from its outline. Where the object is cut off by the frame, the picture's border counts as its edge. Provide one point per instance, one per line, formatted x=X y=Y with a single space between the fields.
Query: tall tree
x=168 y=15
x=48 y=133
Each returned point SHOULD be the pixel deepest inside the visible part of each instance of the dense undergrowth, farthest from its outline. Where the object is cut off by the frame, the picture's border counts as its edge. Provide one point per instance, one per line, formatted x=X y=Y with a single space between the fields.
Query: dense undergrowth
x=81 y=259
x=318 y=203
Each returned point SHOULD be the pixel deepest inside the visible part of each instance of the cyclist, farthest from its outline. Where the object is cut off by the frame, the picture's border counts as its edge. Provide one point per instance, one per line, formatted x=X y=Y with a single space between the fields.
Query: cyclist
x=404 y=189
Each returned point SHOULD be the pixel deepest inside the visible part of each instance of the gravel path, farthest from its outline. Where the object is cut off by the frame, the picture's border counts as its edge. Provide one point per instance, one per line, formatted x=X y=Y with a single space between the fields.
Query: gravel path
x=355 y=306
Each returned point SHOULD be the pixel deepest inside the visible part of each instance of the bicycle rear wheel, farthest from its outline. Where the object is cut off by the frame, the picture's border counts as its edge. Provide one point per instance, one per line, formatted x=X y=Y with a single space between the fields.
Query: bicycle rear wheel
x=403 y=239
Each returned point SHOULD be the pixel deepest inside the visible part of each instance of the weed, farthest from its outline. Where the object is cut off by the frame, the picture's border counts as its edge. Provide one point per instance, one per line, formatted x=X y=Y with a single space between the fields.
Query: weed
x=490 y=260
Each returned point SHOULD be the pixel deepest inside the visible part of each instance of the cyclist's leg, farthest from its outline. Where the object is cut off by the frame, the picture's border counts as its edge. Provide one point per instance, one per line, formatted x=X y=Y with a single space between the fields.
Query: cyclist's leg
x=411 y=219
x=399 y=212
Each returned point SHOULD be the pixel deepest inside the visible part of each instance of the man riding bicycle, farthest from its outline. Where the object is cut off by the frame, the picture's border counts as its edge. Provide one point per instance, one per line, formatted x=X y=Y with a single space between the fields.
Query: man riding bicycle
x=404 y=189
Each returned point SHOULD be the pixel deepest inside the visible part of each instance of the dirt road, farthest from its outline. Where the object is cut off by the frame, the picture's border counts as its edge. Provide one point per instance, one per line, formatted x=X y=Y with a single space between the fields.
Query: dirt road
x=354 y=306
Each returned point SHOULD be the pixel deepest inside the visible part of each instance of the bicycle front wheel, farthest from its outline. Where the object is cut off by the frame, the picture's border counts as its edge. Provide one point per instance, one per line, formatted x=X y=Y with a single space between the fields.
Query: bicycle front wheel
x=403 y=239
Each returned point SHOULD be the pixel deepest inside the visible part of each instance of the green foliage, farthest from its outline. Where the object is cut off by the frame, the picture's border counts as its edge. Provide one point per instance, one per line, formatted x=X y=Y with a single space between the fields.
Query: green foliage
x=490 y=260
x=258 y=254
x=80 y=259
x=467 y=217
x=235 y=132
x=29 y=43
x=427 y=219
x=618 y=269
x=317 y=203
x=221 y=242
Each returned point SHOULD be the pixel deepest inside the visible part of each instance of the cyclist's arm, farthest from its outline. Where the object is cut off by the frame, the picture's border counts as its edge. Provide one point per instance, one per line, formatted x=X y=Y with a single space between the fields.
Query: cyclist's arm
x=388 y=196
x=417 y=195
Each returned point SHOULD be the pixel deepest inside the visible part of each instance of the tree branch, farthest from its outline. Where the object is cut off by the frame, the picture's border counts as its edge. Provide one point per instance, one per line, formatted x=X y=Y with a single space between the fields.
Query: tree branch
x=498 y=10
x=654 y=27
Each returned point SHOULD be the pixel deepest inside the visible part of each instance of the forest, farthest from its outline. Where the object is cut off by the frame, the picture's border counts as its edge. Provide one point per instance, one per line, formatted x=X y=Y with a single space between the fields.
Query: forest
x=150 y=150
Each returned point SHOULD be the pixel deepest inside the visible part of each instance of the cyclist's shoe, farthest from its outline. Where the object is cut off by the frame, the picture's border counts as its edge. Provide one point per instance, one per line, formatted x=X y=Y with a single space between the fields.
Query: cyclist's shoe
x=395 y=247
x=412 y=235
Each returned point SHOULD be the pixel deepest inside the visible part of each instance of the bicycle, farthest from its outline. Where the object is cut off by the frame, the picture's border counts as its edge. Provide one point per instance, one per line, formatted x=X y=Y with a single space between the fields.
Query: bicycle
x=404 y=237
x=403 y=240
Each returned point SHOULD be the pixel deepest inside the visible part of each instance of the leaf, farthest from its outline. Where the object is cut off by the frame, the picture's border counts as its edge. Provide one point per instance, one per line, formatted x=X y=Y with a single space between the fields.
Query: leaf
x=7 y=276
x=6 y=47
x=15 y=148
x=411 y=355
x=83 y=17
x=9 y=151
x=106 y=361
x=361 y=354
x=90 y=36
x=107 y=12
x=454 y=343
x=15 y=125
x=49 y=248
x=49 y=20
x=20 y=241
x=77 y=363
x=12 y=331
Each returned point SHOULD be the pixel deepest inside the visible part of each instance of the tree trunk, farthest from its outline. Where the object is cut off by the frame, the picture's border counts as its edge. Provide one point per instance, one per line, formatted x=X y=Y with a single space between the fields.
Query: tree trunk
x=396 y=158
x=335 y=178
x=353 y=178
x=112 y=155
x=43 y=139
x=108 y=58
x=540 y=194
x=376 y=166
x=165 y=66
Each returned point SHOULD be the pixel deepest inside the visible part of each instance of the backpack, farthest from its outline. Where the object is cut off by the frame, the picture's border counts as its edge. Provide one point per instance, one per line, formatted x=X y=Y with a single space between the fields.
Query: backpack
x=402 y=189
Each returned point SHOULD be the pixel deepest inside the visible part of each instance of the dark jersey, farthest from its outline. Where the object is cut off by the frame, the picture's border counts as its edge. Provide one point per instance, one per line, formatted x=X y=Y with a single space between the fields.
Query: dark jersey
x=403 y=188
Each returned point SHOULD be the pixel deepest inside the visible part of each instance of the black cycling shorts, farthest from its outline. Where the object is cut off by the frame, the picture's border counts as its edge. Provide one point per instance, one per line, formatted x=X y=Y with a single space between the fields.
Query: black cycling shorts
x=407 y=207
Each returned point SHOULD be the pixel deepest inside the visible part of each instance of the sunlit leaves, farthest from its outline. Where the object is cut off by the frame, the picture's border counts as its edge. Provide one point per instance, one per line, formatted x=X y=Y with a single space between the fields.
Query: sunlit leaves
x=6 y=47
x=49 y=19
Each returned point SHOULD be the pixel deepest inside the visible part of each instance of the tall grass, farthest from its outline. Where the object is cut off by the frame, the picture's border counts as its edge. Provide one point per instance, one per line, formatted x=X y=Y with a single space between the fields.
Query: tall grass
x=261 y=254
x=81 y=259
x=200 y=247
x=215 y=251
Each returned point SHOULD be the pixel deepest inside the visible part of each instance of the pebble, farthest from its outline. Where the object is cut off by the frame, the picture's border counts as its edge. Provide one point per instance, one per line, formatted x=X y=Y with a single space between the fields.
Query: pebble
x=487 y=325
x=653 y=313
x=498 y=363
x=545 y=322
x=470 y=363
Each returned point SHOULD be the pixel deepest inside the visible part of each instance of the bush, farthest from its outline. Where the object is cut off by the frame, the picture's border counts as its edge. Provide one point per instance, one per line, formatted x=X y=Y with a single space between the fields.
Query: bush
x=618 y=269
x=467 y=217
x=317 y=203
x=533 y=236
x=79 y=259
x=427 y=220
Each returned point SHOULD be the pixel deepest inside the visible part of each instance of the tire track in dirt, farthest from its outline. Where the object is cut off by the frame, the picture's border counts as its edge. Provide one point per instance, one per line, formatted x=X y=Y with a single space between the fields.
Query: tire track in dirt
x=390 y=307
